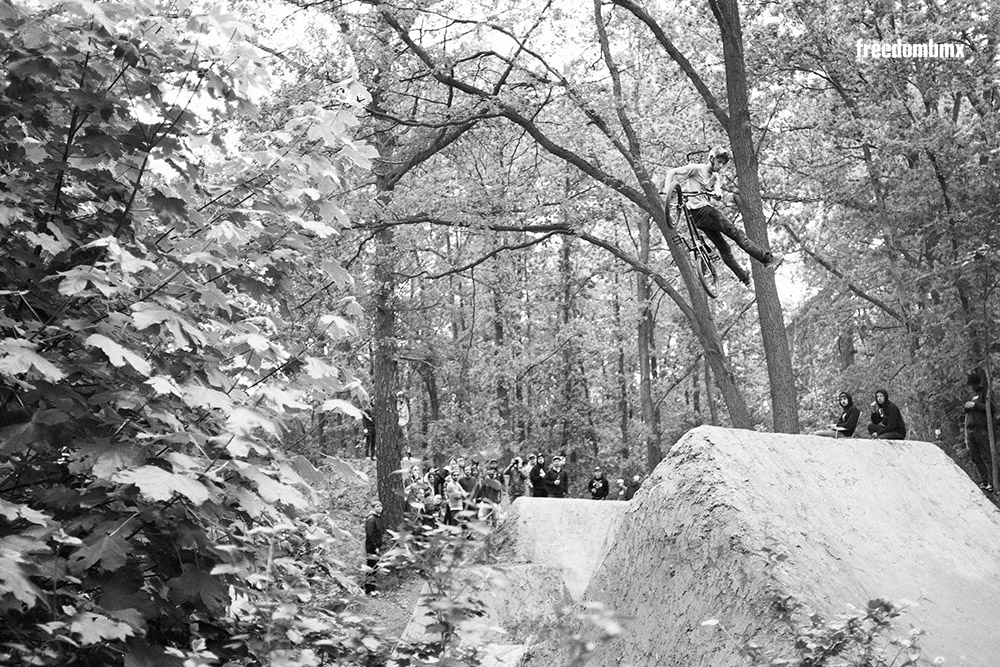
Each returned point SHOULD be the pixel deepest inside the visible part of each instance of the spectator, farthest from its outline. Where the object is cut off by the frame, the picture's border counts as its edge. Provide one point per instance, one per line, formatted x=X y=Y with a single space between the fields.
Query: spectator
x=408 y=462
x=369 y=427
x=557 y=479
x=887 y=421
x=374 y=529
x=528 y=466
x=632 y=487
x=620 y=489
x=418 y=493
x=516 y=478
x=470 y=482
x=598 y=485
x=490 y=494
x=977 y=435
x=539 y=488
x=438 y=476
x=454 y=498
x=848 y=422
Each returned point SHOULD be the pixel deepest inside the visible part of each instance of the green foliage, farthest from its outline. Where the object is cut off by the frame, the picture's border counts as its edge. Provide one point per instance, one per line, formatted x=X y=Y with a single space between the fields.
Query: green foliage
x=156 y=231
x=853 y=640
x=862 y=639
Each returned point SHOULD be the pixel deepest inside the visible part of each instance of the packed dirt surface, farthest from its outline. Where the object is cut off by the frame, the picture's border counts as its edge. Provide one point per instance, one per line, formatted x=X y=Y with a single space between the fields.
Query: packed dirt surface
x=732 y=520
x=857 y=519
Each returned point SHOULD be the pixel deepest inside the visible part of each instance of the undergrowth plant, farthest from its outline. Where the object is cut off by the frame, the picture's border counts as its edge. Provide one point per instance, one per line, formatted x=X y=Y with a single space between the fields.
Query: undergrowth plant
x=865 y=638
x=159 y=234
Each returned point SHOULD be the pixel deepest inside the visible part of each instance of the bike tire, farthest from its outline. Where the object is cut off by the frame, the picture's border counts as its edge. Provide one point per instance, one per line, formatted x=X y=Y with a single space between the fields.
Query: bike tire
x=707 y=275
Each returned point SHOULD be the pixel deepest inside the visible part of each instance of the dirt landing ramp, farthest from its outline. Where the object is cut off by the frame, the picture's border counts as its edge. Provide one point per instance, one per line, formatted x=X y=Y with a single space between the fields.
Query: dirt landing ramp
x=858 y=519
x=571 y=535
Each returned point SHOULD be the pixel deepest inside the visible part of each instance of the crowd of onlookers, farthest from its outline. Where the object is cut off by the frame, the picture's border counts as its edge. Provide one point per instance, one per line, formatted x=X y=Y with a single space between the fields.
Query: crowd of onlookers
x=469 y=487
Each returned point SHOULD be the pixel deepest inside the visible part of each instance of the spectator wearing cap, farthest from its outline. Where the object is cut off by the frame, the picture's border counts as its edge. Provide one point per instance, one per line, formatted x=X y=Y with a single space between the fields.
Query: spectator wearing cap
x=557 y=479
x=516 y=476
x=539 y=488
x=598 y=485
x=620 y=489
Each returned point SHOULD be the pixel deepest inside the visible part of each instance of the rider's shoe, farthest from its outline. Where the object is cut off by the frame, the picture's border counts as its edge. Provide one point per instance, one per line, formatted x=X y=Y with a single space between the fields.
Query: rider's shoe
x=773 y=260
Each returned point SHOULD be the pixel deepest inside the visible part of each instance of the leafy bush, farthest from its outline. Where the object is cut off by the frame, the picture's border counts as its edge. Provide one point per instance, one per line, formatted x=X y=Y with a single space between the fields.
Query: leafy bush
x=154 y=243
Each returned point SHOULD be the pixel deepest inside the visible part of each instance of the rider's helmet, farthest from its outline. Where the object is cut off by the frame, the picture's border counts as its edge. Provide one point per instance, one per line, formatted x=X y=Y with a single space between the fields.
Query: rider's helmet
x=718 y=152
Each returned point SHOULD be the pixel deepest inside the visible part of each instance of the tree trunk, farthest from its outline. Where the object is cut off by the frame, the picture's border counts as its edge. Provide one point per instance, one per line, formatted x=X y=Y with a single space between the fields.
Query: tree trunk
x=650 y=420
x=385 y=379
x=620 y=366
x=784 y=402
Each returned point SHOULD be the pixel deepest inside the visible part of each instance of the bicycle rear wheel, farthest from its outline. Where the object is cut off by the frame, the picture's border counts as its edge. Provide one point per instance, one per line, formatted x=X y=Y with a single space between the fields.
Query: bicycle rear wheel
x=707 y=275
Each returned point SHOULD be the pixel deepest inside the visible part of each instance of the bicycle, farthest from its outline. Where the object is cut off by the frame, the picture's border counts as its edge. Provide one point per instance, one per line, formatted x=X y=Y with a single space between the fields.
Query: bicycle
x=703 y=253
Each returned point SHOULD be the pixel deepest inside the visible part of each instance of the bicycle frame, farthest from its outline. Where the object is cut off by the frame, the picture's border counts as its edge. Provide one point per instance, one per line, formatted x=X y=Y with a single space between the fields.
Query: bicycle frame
x=702 y=252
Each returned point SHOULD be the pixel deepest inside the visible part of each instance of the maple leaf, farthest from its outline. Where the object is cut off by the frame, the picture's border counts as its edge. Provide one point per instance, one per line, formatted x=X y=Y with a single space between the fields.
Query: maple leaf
x=317 y=369
x=110 y=551
x=13 y=579
x=199 y=396
x=160 y=485
x=95 y=629
x=13 y=511
x=119 y=355
x=340 y=405
x=18 y=356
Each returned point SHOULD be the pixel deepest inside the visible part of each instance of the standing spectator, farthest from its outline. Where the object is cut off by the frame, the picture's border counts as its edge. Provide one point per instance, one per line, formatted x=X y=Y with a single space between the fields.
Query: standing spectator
x=417 y=494
x=454 y=498
x=437 y=480
x=369 y=427
x=490 y=494
x=848 y=422
x=374 y=529
x=977 y=434
x=598 y=485
x=529 y=488
x=516 y=478
x=887 y=421
x=557 y=479
x=408 y=461
x=632 y=487
x=620 y=489
x=469 y=481
x=539 y=489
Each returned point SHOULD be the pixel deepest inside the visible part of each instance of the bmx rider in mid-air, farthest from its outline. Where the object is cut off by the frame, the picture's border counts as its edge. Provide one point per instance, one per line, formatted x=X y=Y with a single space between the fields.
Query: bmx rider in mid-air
x=704 y=183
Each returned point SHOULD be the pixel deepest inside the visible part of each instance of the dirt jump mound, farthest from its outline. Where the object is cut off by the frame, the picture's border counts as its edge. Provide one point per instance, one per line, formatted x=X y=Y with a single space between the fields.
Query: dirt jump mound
x=855 y=520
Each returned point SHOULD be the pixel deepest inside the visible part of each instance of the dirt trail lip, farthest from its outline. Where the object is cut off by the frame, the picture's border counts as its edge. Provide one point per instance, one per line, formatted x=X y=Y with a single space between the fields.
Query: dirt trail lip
x=571 y=535
x=858 y=519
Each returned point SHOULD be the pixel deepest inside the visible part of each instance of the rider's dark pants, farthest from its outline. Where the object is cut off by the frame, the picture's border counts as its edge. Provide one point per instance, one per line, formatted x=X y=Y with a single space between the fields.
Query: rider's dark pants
x=716 y=227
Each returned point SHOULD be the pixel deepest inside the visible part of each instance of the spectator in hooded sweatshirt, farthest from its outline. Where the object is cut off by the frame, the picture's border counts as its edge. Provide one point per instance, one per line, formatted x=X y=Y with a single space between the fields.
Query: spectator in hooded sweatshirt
x=539 y=489
x=598 y=485
x=848 y=422
x=887 y=421
x=977 y=434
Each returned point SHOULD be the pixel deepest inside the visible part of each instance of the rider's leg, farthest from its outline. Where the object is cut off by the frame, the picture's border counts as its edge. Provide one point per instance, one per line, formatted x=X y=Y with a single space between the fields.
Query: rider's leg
x=711 y=228
x=719 y=241
x=710 y=217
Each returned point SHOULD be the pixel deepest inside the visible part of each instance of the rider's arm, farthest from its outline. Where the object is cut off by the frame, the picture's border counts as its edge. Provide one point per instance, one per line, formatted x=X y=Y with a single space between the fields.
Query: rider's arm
x=675 y=176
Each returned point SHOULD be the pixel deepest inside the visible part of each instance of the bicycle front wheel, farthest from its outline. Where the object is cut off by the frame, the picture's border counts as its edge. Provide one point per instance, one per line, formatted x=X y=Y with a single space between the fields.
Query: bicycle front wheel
x=706 y=273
